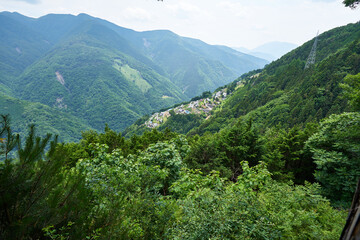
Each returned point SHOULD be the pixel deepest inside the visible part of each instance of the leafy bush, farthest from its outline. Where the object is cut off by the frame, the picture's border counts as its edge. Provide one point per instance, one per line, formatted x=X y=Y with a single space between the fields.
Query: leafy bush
x=336 y=152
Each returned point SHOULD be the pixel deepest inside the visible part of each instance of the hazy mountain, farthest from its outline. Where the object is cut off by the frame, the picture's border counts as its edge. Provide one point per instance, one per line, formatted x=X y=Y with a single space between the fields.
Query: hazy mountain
x=277 y=49
x=269 y=51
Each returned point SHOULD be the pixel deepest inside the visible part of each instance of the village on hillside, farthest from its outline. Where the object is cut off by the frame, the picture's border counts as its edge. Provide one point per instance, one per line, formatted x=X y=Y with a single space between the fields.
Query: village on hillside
x=201 y=106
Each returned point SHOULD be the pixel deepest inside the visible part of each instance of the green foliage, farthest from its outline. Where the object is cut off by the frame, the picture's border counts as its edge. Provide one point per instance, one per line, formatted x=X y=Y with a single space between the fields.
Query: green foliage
x=351 y=86
x=205 y=94
x=109 y=137
x=167 y=158
x=126 y=192
x=53 y=234
x=8 y=140
x=63 y=233
x=282 y=150
x=226 y=150
x=351 y=3
x=336 y=151
x=87 y=191
x=284 y=154
x=30 y=197
x=182 y=123
x=255 y=207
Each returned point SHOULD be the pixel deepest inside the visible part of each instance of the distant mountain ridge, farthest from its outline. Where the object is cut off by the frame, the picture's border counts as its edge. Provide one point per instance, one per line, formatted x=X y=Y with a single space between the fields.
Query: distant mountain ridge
x=269 y=51
x=101 y=73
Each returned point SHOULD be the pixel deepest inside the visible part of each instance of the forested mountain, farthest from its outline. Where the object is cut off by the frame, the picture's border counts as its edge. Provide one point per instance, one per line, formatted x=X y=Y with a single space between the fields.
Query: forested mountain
x=286 y=93
x=192 y=64
x=47 y=119
x=84 y=74
x=79 y=64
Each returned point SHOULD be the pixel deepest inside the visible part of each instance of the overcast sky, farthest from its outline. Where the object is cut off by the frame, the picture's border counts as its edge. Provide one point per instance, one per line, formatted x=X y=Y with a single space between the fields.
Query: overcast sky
x=235 y=23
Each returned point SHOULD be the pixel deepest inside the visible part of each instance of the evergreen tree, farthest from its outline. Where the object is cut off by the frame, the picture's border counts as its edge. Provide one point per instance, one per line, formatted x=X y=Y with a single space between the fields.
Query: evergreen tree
x=34 y=192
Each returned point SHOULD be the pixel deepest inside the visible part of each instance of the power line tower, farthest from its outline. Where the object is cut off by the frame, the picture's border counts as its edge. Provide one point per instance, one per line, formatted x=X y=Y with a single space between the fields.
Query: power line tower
x=311 y=58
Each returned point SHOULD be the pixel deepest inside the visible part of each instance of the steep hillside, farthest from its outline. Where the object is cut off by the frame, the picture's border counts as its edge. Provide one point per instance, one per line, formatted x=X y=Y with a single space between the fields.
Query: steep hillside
x=19 y=47
x=284 y=92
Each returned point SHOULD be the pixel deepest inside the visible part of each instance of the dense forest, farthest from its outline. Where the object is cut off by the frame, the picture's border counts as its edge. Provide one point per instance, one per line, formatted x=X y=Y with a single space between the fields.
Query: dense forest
x=279 y=159
x=151 y=186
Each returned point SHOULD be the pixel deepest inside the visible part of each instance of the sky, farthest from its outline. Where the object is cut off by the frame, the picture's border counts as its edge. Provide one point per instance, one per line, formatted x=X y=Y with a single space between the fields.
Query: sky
x=234 y=23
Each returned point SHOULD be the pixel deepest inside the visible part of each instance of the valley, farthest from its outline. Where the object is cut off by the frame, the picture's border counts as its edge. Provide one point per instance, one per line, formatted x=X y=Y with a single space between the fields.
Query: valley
x=111 y=133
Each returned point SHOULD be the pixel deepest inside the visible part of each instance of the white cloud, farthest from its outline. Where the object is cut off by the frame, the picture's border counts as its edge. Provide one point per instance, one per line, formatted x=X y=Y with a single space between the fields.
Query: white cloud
x=323 y=0
x=185 y=11
x=137 y=14
x=182 y=6
x=228 y=22
x=29 y=1
x=235 y=8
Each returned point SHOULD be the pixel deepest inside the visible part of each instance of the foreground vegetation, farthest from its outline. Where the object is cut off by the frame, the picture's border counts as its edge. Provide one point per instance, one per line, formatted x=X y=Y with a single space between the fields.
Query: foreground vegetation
x=151 y=186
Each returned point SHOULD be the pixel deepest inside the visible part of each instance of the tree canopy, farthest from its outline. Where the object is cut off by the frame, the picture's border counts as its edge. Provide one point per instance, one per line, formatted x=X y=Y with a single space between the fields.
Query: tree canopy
x=351 y=3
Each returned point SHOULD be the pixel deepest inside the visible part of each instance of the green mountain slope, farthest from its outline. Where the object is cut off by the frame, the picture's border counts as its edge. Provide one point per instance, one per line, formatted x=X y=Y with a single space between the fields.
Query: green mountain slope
x=19 y=47
x=192 y=64
x=88 y=77
x=285 y=93
x=47 y=119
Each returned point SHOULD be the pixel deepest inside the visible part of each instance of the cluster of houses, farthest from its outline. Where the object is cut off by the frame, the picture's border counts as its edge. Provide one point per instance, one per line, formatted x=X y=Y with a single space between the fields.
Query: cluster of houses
x=201 y=106
x=157 y=118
